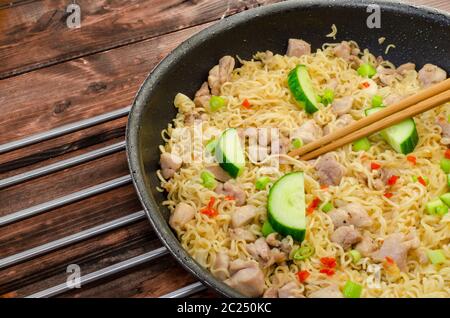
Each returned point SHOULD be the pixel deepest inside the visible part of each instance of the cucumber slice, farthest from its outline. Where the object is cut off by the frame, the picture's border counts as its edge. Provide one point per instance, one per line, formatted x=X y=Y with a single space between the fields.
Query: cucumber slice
x=445 y=198
x=229 y=153
x=402 y=137
x=301 y=87
x=286 y=206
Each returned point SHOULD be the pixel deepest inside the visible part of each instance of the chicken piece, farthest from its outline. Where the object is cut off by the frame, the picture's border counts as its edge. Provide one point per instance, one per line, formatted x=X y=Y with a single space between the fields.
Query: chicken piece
x=220 y=74
x=290 y=290
x=287 y=244
x=342 y=105
x=220 y=174
x=384 y=174
x=308 y=132
x=239 y=264
x=329 y=171
x=297 y=47
x=278 y=256
x=243 y=216
x=272 y=240
x=181 y=215
x=431 y=74
x=343 y=50
x=341 y=122
x=170 y=163
x=339 y=217
x=242 y=234
x=183 y=103
x=358 y=215
x=260 y=250
x=331 y=291
x=332 y=84
x=405 y=68
x=392 y=99
x=202 y=96
x=445 y=130
x=220 y=266
x=231 y=190
x=366 y=247
x=346 y=236
x=386 y=75
x=271 y=292
x=397 y=246
x=248 y=280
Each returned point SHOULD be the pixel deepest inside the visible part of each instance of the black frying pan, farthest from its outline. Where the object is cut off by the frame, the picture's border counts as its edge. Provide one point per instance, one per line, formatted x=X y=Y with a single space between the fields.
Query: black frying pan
x=421 y=35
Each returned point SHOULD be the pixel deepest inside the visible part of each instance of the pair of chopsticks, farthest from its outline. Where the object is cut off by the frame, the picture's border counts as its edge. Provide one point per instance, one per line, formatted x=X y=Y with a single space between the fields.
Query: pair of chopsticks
x=409 y=107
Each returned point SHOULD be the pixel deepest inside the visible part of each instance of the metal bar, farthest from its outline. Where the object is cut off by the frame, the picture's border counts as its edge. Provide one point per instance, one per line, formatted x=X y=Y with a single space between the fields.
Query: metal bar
x=185 y=291
x=71 y=239
x=64 y=130
x=103 y=273
x=60 y=165
x=73 y=197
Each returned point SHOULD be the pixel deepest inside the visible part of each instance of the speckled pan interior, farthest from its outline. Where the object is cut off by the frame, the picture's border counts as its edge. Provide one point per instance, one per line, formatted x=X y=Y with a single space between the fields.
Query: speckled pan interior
x=421 y=35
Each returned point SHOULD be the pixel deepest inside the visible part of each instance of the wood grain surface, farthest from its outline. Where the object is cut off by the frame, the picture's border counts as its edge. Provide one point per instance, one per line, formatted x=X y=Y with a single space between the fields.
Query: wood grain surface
x=50 y=76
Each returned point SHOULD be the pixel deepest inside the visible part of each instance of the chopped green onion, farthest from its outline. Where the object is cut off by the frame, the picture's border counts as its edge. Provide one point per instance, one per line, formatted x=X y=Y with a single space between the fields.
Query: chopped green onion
x=448 y=180
x=448 y=118
x=319 y=98
x=366 y=70
x=442 y=210
x=377 y=101
x=297 y=143
x=436 y=206
x=328 y=96
x=436 y=257
x=211 y=146
x=352 y=290
x=267 y=229
x=356 y=256
x=361 y=144
x=445 y=165
x=303 y=252
x=415 y=179
x=208 y=180
x=261 y=183
x=327 y=207
x=216 y=103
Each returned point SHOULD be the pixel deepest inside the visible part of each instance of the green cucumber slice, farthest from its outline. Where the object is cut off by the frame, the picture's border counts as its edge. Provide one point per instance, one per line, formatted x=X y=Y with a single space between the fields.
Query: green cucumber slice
x=286 y=206
x=229 y=153
x=402 y=137
x=301 y=87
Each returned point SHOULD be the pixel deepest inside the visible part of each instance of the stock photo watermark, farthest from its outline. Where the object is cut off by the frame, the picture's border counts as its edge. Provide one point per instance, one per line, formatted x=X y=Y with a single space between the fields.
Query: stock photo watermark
x=73 y=20
x=74 y=278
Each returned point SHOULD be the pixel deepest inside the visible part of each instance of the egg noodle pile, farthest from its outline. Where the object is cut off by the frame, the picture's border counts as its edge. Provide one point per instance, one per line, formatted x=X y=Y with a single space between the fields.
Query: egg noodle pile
x=263 y=82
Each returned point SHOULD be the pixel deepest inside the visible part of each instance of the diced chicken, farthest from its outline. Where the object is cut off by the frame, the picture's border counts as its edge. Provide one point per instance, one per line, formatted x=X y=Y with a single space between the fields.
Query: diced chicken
x=260 y=250
x=386 y=75
x=272 y=240
x=397 y=246
x=308 y=132
x=405 y=68
x=290 y=290
x=341 y=122
x=392 y=99
x=287 y=244
x=271 y=292
x=342 y=105
x=220 y=266
x=346 y=236
x=243 y=216
x=202 y=96
x=220 y=74
x=431 y=74
x=234 y=191
x=181 y=215
x=350 y=214
x=219 y=173
x=170 y=163
x=183 y=103
x=343 y=50
x=445 y=130
x=331 y=291
x=329 y=171
x=366 y=247
x=239 y=264
x=242 y=234
x=297 y=47
x=384 y=174
x=248 y=280
x=332 y=84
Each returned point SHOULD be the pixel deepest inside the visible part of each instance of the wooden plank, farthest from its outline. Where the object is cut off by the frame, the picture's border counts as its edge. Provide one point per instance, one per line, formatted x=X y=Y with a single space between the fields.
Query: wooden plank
x=104 y=25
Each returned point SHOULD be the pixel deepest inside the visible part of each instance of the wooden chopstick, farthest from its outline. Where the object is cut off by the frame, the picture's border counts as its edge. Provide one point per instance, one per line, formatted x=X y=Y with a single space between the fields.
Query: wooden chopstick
x=422 y=101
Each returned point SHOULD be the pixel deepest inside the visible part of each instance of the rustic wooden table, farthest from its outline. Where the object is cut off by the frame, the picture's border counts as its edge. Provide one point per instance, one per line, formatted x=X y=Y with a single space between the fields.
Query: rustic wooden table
x=51 y=75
